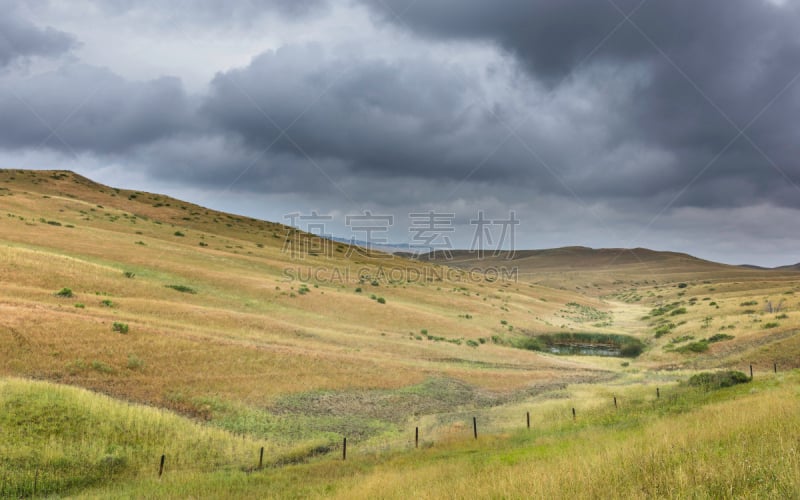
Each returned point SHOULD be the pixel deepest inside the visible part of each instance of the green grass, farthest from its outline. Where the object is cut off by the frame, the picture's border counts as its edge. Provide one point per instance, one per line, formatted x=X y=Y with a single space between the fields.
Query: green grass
x=66 y=439
x=690 y=443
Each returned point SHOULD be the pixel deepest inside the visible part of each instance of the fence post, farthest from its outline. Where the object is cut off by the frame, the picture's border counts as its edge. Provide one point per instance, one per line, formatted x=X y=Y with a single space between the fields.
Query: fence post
x=261 y=458
x=475 y=427
x=161 y=466
x=344 y=449
x=416 y=437
x=615 y=401
x=751 y=372
x=528 y=418
x=775 y=365
x=573 y=414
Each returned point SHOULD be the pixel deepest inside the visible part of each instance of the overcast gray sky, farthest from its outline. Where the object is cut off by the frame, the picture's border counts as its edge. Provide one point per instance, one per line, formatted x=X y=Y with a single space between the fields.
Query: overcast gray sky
x=669 y=124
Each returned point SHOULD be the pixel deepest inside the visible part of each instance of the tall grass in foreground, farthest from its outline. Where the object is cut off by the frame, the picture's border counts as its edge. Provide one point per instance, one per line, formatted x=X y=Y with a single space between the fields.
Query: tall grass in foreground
x=731 y=443
x=60 y=439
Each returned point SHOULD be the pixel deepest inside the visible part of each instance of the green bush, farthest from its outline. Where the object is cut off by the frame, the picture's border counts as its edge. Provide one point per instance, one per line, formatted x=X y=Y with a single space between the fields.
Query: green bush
x=182 y=288
x=718 y=380
x=134 y=362
x=102 y=367
x=120 y=327
x=79 y=306
x=107 y=303
x=664 y=329
x=719 y=337
x=472 y=343
x=129 y=274
x=529 y=343
x=64 y=292
x=381 y=300
x=700 y=346
x=631 y=350
x=771 y=325
x=179 y=234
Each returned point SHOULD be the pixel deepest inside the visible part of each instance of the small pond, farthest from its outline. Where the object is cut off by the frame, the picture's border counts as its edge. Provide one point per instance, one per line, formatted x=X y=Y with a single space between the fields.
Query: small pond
x=584 y=350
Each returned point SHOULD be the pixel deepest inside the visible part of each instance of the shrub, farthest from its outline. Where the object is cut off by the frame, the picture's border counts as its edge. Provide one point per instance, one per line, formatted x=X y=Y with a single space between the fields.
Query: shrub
x=749 y=303
x=771 y=325
x=529 y=343
x=179 y=234
x=664 y=329
x=381 y=300
x=358 y=290
x=129 y=274
x=718 y=380
x=64 y=292
x=182 y=288
x=719 y=337
x=680 y=310
x=102 y=367
x=631 y=350
x=134 y=362
x=424 y=331
x=107 y=303
x=700 y=346
x=472 y=343
x=203 y=244
x=682 y=285
x=120 y=327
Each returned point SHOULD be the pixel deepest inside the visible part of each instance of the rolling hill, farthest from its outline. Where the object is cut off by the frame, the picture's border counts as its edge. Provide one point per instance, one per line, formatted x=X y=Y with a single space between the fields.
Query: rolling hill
x=252 y=328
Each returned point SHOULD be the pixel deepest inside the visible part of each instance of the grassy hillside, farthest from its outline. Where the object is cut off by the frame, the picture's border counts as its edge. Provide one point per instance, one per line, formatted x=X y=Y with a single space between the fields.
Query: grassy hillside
x=250 y=328
x=691 y=442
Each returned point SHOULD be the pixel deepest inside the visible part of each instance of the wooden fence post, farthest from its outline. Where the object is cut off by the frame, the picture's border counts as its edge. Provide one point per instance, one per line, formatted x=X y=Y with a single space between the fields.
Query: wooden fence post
x=416 y=437
x=261 y=458
x=475 y=427
x=161 y=466
x=344 y=449
x=528 y=418
x=573 y=414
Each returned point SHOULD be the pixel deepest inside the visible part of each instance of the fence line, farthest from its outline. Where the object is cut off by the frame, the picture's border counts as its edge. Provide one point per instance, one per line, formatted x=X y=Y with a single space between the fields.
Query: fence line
x=49 y=480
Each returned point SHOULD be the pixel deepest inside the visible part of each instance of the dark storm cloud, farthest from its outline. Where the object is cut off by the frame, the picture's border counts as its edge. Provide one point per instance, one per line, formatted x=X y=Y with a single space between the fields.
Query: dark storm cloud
x=706 y=70
x=392 y=119
x=217 y=12
x=21 y=39
x=83 y=108
x=633 y=124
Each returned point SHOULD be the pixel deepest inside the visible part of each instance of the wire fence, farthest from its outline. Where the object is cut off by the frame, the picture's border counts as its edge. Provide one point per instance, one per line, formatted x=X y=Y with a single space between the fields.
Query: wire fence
x=62 y=476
